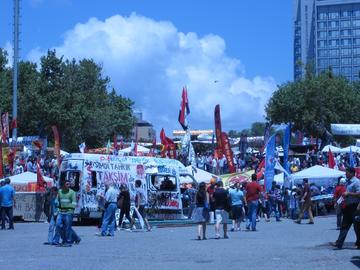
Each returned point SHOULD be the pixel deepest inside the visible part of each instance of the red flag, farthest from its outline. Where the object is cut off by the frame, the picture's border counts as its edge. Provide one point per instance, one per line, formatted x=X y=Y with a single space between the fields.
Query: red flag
x=331 y=159
x=11 y=157
x=168 y=145
x=56 y=144
x=184 y=109
x=40 y=183
x=14 y=123
x=218 y=130
x=228 y=152
x=38 y=144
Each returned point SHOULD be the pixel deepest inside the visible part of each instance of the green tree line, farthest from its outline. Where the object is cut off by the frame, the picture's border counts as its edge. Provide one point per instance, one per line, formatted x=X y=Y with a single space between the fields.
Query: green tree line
x=73 y=95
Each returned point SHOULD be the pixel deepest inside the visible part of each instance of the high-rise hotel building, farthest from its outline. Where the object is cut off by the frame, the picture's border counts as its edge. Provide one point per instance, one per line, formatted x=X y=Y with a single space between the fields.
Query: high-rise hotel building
x=327 y=34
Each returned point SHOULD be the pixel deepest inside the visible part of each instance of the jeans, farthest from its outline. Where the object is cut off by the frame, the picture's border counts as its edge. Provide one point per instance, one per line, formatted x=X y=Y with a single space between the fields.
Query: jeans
x=275 y=207
x=63 y=228
x=109 y=220
x=52 y=225
x=251 y=218
x=7 y=212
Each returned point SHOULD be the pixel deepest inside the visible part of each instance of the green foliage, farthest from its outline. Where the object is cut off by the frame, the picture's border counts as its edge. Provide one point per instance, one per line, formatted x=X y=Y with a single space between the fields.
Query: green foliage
x=257 y=129
x=72 y=95
x=314 y=103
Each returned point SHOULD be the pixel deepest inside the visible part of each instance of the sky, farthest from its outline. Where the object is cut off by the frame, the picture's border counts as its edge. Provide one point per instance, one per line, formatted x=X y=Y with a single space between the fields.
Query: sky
x=229 y=52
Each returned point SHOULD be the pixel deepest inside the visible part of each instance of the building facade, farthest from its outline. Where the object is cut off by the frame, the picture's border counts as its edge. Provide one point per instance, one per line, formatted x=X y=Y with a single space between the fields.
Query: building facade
x=143 y=131
x=327 y=35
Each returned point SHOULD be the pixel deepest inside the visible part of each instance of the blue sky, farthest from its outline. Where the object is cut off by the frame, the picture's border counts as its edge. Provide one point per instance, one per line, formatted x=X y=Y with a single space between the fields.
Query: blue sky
x=245 y=44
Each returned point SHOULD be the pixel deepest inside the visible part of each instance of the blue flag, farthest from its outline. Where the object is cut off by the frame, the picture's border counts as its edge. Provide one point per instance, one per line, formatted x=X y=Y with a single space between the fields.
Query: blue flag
x=270 y=163
x=351 y=159
x=287 y=136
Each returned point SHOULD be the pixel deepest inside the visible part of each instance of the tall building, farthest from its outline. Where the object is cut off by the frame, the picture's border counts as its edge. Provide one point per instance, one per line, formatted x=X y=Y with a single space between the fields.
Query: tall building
x=327 y=34
x=143 y=130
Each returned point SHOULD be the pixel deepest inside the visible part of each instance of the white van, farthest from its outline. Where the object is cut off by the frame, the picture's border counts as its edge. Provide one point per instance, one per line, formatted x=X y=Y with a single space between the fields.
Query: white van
x=88 y=174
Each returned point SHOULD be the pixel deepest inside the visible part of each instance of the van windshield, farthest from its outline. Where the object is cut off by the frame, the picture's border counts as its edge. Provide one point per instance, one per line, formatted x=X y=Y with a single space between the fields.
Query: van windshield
x=164 y=182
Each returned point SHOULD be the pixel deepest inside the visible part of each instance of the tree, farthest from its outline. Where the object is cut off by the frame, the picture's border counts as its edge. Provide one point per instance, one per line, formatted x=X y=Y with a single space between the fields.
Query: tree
x=72 y=95
x=312 y=104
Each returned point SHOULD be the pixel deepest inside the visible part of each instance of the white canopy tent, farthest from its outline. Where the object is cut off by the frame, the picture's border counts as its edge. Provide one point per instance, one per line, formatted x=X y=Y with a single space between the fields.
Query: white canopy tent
x=354 y=149
x=334 y=149
x=26 y=177
x=140 y=148
x=321 y=176
x=199 y=175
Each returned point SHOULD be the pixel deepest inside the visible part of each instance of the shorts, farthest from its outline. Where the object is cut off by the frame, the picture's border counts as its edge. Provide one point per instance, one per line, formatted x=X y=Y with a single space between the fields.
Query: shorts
x=221 y=216
x=142 y=212
x=236 y=211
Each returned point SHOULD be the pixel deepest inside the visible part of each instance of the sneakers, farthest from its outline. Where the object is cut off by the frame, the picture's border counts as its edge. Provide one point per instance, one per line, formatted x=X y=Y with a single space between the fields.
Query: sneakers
x=297 y=221
x=226 y=237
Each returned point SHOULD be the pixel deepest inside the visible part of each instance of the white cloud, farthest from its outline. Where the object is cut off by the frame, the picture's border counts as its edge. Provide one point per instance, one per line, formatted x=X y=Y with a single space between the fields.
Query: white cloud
x=150 y=61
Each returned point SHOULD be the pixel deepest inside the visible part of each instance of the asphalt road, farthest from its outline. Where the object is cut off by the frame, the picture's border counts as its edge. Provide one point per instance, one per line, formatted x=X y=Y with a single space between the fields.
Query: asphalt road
x=283 y=245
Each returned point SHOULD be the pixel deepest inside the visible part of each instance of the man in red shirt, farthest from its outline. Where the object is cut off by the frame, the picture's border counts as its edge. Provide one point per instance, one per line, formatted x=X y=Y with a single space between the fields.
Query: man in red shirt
x=338 y=192
x=253 y=190
x=306 y=203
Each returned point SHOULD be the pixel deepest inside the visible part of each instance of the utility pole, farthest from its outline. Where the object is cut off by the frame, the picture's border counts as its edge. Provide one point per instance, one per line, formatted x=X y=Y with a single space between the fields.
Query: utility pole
x=15 y=68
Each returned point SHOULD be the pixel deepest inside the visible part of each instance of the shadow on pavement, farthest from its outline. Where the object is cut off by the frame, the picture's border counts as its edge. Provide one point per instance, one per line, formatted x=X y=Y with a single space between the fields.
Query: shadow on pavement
x=356 y=261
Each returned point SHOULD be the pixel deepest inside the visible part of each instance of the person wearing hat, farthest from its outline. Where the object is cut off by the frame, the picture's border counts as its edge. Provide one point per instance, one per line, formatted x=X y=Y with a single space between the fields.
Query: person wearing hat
x=338 y=192
x=352 y=199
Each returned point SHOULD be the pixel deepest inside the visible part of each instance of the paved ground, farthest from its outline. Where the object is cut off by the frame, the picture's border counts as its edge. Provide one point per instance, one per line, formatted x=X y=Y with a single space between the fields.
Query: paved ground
x=282 y=245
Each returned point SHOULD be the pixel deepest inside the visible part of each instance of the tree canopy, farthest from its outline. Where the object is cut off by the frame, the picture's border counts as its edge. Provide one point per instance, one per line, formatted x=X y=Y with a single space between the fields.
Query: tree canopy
x=73 y=95
x=312 y=104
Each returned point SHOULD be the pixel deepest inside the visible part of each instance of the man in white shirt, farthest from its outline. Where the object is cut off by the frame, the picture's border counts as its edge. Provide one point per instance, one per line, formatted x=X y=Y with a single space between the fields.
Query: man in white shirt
x=108 y=224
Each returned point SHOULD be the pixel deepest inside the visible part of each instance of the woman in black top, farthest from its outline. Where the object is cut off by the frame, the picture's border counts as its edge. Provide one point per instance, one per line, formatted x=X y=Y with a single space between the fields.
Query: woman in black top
x=201 y=212
x=124 y=201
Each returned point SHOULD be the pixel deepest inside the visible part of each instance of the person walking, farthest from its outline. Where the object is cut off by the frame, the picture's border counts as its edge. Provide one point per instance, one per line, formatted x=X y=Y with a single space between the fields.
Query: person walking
x=351 y=199
x=53 y=212
x=253 y=191
x=237 y=205
x=7 y=202
x=108 y=224
x=274 y=199
x=140 y=203
x=222 y=207
x=123 y=203
x=306 y=203
x=340 y=189
x=201 y=212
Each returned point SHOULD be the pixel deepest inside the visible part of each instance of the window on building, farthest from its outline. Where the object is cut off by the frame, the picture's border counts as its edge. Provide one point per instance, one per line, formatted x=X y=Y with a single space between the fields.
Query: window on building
x=322 y=43
x=356 y=71
x=356 y=13
x=334 y=33
x=333 y=24
x=346 y=42
x=345 y=24
x=322 y=16
x=356 y=32
x=356 y=60
x=346 y=70
x=323 y=63
x=323 y=53
x=333 y=15
x=346 y=13
x=356 y=41
x=322 y=34
x=345 y=33
x=346 y=61
x=333 y=43
x=334 y=52
x=334 y=62
x=356 y=23
x=322 y=25
x=356 y=51
x=345 y=52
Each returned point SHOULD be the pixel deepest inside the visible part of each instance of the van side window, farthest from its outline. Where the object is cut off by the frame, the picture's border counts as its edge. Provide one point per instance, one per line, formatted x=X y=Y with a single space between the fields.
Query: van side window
x=93 y=179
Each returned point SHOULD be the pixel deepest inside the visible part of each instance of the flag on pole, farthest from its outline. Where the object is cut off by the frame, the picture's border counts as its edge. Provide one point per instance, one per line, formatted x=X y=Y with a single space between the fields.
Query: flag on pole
x=108 y=146
x=270 y=163
x=5 y=126
x=184 y=109
x=56 y=144
x=331 y=159
x=287 y=137
x=82 y=147
x=169 y=147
